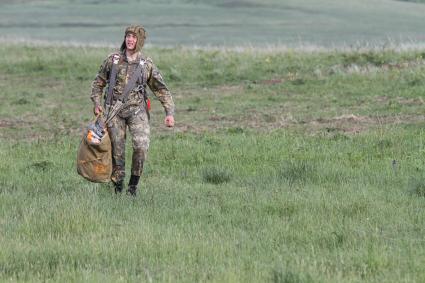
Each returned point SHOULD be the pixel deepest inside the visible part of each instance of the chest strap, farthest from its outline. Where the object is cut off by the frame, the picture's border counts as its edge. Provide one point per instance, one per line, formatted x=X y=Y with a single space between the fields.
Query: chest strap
x=112 y=80
x=131 y=84
x=120 y=103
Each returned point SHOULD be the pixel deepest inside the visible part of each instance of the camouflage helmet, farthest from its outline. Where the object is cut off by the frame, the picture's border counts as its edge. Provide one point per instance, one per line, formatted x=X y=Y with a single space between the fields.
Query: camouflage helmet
x=140 y=33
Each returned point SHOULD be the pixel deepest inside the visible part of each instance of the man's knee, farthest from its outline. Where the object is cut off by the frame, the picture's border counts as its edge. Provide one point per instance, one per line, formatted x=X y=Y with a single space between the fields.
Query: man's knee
x=141 y=143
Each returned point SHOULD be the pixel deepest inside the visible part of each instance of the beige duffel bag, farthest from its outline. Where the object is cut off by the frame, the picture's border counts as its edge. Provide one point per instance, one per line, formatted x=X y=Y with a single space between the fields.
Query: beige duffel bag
x=94 y=159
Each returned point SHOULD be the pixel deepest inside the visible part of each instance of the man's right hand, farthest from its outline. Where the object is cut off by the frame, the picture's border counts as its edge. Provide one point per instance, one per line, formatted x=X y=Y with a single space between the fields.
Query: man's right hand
x=97 y=110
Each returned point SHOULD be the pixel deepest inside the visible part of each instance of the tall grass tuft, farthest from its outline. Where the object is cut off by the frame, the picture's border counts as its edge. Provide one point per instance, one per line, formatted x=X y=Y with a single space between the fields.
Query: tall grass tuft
x=216 y=175
x=280 y=276
x=297 y=171
x=417 y=186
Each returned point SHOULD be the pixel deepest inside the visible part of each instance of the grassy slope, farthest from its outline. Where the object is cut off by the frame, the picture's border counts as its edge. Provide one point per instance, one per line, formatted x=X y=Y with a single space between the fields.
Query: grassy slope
x=189 y=23
x=306 y=143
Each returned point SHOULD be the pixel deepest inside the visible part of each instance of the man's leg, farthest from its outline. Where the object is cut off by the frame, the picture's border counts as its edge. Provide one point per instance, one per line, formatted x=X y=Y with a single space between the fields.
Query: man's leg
x=116 y=129
x=140 y=131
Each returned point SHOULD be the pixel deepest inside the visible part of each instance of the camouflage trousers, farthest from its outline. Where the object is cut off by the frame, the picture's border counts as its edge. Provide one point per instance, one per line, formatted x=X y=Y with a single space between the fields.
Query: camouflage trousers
x=138 y=124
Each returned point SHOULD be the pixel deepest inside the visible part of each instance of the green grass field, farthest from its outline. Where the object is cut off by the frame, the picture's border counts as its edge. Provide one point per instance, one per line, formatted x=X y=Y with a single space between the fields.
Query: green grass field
x=282 y=167
x=298 y=153
x=330 y=23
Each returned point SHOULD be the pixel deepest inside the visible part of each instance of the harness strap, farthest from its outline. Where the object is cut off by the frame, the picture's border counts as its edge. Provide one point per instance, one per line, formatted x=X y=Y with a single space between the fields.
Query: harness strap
x=112 y=80
x=144 y=77
x=122 y=101
x=132 y=83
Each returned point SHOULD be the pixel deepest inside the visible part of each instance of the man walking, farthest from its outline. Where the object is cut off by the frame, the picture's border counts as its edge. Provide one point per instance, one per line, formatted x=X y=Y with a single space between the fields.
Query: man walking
x=127 y=73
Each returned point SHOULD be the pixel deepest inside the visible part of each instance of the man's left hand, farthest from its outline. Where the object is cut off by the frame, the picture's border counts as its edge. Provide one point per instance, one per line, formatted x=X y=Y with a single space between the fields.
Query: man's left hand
x=169 y=121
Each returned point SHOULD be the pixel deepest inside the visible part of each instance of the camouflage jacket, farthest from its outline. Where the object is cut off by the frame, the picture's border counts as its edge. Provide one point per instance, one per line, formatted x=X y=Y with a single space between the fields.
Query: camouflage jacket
x=152 y=75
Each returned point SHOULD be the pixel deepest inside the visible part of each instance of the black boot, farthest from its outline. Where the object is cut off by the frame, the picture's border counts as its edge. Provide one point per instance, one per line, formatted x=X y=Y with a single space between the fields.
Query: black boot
x=132 y=185
x=118 y=187
x=132 y=190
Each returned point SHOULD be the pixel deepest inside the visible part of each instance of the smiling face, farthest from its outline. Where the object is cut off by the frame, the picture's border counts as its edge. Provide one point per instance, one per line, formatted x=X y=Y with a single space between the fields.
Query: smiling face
x=134 y=38
x=131 y=41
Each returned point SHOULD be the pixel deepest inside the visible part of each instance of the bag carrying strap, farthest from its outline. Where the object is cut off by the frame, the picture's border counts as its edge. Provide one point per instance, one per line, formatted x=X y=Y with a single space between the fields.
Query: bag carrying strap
x=112 y=80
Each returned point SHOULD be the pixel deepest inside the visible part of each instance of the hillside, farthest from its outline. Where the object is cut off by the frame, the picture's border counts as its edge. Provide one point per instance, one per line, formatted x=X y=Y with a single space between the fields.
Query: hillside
x=220 y=23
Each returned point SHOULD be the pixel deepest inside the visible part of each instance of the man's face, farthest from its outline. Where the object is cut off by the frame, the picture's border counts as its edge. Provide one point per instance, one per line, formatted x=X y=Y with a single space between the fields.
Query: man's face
x=130 y=41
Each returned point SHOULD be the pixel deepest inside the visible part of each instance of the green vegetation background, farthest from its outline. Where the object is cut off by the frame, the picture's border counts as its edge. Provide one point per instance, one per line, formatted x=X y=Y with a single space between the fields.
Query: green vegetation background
x=283 y=167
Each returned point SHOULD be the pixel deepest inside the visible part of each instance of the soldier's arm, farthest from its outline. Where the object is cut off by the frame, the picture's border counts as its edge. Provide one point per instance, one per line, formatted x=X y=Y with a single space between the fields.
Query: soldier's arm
x=100 y=81
x=157 y=85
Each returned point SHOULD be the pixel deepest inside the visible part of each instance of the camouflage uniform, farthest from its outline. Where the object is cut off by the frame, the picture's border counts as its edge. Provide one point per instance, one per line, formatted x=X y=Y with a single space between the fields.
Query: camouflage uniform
x=135 y=115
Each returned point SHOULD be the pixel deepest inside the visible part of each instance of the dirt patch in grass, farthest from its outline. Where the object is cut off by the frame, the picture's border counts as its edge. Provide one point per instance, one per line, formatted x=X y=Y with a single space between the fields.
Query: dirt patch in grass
x=231 y=88
x=348 y=124
x=7 y=123
x=31 y=128
x=262 y=121
x=411 y=101
x=352 y=124
x=369 y=68
x=401 y=100
x=15 y=128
